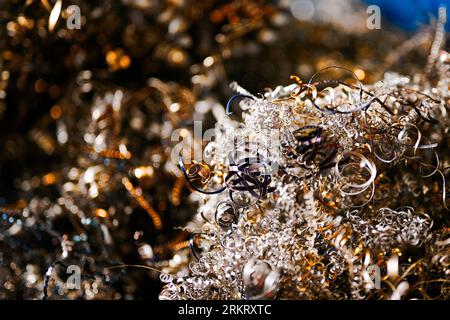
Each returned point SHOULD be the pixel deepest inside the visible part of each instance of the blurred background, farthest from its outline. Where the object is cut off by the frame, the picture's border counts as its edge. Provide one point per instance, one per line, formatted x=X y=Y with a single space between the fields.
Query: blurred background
x=91 y=92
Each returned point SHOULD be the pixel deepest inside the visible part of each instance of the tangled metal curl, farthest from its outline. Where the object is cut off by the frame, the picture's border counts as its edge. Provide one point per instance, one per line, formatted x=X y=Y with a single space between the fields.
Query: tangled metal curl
x=248 y=175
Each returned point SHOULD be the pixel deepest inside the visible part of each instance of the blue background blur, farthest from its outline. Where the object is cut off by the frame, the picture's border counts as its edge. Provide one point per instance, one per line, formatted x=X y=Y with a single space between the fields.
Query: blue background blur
x=410 y=14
